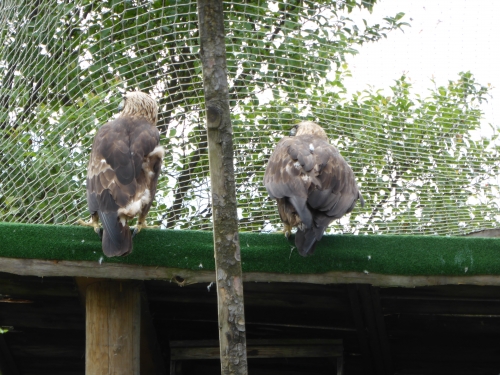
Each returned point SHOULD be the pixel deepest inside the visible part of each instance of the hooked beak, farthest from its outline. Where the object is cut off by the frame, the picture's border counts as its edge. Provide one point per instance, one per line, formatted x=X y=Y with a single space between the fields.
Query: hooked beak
x=121 y=105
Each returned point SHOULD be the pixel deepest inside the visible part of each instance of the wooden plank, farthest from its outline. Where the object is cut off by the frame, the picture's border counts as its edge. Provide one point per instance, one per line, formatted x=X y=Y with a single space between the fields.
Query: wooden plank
x=403 y=325
x=30 y=345
x=275 y=325
x=357 y=314
x=113 y=328
x=26 y=287
x=39 y=319
x=372 y=335
x=56 y=351
x=51 y=366
x=286 y=296
x=7 y=364
x=371 y=328
x=255 y=342
x=454 y=349
x=381 y=330
x=303 y=348
x=443 y=307
x=229 y=281
x=46 y=268
x=340 y=366
x=152 y=362
x=278 y=351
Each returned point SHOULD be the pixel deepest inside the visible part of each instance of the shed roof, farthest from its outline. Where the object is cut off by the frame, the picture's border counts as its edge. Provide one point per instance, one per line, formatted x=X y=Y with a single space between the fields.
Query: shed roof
x=432 y=328
x=192 y=251
x=165 y=254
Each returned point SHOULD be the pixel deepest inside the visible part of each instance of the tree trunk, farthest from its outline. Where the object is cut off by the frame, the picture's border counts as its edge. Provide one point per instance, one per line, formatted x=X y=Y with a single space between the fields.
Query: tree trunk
x=232 y=334
x=113 y=316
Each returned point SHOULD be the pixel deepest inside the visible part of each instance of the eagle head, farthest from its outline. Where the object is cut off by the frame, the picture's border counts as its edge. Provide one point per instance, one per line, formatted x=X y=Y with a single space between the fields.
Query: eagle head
x=308 y=127
x=139 y=104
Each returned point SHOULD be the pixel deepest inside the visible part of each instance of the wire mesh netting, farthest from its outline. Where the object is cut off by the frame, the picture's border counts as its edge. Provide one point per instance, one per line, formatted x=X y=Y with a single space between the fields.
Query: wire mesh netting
x=64 y=66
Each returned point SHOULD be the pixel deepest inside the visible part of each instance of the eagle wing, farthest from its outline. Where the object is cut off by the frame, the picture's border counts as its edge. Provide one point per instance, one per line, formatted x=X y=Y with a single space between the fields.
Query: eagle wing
x=313 y=185
x=121 y=178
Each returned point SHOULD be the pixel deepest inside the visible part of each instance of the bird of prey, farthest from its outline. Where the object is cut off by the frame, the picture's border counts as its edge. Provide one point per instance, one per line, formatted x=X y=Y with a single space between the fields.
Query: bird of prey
x=123 y=172
x=311 y=182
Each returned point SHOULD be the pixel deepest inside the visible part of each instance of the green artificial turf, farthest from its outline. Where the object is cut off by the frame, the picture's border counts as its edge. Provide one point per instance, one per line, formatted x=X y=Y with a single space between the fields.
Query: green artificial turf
x=397 y=255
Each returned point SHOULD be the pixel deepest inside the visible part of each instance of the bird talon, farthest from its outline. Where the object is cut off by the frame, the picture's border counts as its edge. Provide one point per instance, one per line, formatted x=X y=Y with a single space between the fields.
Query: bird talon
x=94 y=223
x=287 y=230
x=141 y=226
x=99 y=232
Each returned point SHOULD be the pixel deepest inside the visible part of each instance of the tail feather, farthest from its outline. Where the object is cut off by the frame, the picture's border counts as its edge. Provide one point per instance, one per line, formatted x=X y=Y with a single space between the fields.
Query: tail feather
x=305 y=240
x=116 y=239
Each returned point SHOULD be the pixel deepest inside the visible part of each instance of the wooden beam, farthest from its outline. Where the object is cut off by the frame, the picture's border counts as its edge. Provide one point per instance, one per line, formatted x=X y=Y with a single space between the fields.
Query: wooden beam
x=378 y=315
x=372 y=336
x=304 y=348
x=340 y=365
x=372 y=328
x=45 y=268
x=232 y=332
x=357 y=315
x=152 y=362
x=112 y=328
x=7 y=364
x=266 y=348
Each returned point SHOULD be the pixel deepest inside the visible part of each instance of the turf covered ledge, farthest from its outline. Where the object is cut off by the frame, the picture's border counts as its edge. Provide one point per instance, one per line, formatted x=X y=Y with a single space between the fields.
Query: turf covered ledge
x=193 y=250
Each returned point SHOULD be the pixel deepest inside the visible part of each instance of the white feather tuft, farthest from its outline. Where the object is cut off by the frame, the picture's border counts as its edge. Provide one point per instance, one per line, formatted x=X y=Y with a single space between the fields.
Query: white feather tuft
x=158 y=152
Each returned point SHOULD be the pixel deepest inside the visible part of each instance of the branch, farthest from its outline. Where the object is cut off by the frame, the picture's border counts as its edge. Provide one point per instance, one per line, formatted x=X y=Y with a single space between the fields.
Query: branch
x=380 y=204
x=183 y=182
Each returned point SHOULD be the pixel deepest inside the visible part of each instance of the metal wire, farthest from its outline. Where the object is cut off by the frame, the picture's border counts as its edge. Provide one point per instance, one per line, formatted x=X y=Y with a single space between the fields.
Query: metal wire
x=65 y=65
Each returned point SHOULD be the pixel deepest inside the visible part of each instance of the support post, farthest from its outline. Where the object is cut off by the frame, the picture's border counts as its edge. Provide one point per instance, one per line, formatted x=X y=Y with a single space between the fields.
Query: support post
x=232 y=336
x=113 y=316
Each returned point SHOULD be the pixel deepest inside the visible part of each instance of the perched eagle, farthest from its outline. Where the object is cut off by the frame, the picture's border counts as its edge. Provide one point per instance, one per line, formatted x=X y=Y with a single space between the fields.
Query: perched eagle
x=123 y=171
x=311 y=182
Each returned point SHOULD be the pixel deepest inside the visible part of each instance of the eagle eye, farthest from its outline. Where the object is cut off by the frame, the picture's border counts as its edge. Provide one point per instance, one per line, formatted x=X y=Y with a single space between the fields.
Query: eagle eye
x=293 y=131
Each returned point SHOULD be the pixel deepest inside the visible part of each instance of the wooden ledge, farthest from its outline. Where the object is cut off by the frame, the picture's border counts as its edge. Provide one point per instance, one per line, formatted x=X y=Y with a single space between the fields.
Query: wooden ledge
x=307 y=348
x=45 y=268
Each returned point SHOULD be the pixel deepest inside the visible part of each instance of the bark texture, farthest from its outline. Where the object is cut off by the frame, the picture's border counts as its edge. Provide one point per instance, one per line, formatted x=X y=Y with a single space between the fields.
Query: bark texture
x=113 y=316
x=232 y=334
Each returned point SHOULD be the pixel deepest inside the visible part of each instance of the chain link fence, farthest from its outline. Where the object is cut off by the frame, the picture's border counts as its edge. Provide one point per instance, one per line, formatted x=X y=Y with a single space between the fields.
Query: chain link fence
x=64 y=66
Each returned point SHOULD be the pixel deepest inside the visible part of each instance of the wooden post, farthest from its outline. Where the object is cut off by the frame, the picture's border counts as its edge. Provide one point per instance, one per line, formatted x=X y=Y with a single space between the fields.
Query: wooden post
x=113 y=316
x=232 y=336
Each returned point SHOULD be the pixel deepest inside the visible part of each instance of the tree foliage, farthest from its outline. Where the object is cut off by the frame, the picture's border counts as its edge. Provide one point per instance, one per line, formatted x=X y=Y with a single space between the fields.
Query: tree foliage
x=64 y=66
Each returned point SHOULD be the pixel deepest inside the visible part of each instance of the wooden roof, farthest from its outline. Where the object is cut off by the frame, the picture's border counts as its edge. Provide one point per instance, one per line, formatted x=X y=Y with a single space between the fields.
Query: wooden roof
x=391 y=304
x=449 y=329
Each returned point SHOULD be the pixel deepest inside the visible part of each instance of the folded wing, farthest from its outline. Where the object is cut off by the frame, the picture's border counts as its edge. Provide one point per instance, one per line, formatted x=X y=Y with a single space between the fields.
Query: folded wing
x=313 y=185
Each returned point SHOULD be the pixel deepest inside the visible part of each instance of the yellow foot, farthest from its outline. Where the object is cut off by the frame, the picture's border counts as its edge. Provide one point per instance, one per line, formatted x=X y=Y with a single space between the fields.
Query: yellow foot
x=142 y=225
x=287 y=230
x=93 y=222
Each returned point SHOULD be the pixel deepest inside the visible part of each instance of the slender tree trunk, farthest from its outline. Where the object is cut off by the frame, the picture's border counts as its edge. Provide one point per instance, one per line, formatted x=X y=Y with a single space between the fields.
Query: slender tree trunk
x=232 y=334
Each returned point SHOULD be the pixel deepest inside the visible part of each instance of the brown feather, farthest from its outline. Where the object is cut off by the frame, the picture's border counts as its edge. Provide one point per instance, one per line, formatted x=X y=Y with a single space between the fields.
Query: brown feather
x=312 y=183
x=122 y=175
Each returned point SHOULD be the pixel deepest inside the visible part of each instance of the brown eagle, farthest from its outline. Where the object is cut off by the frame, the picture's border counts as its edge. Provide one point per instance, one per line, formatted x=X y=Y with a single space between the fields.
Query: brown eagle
x=312 y=184
x=123 y=172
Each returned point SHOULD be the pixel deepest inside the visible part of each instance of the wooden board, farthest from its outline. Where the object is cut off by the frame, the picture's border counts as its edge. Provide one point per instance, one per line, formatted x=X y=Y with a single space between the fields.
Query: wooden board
x=43 y=268
x=186 y=350
x=113 y=316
